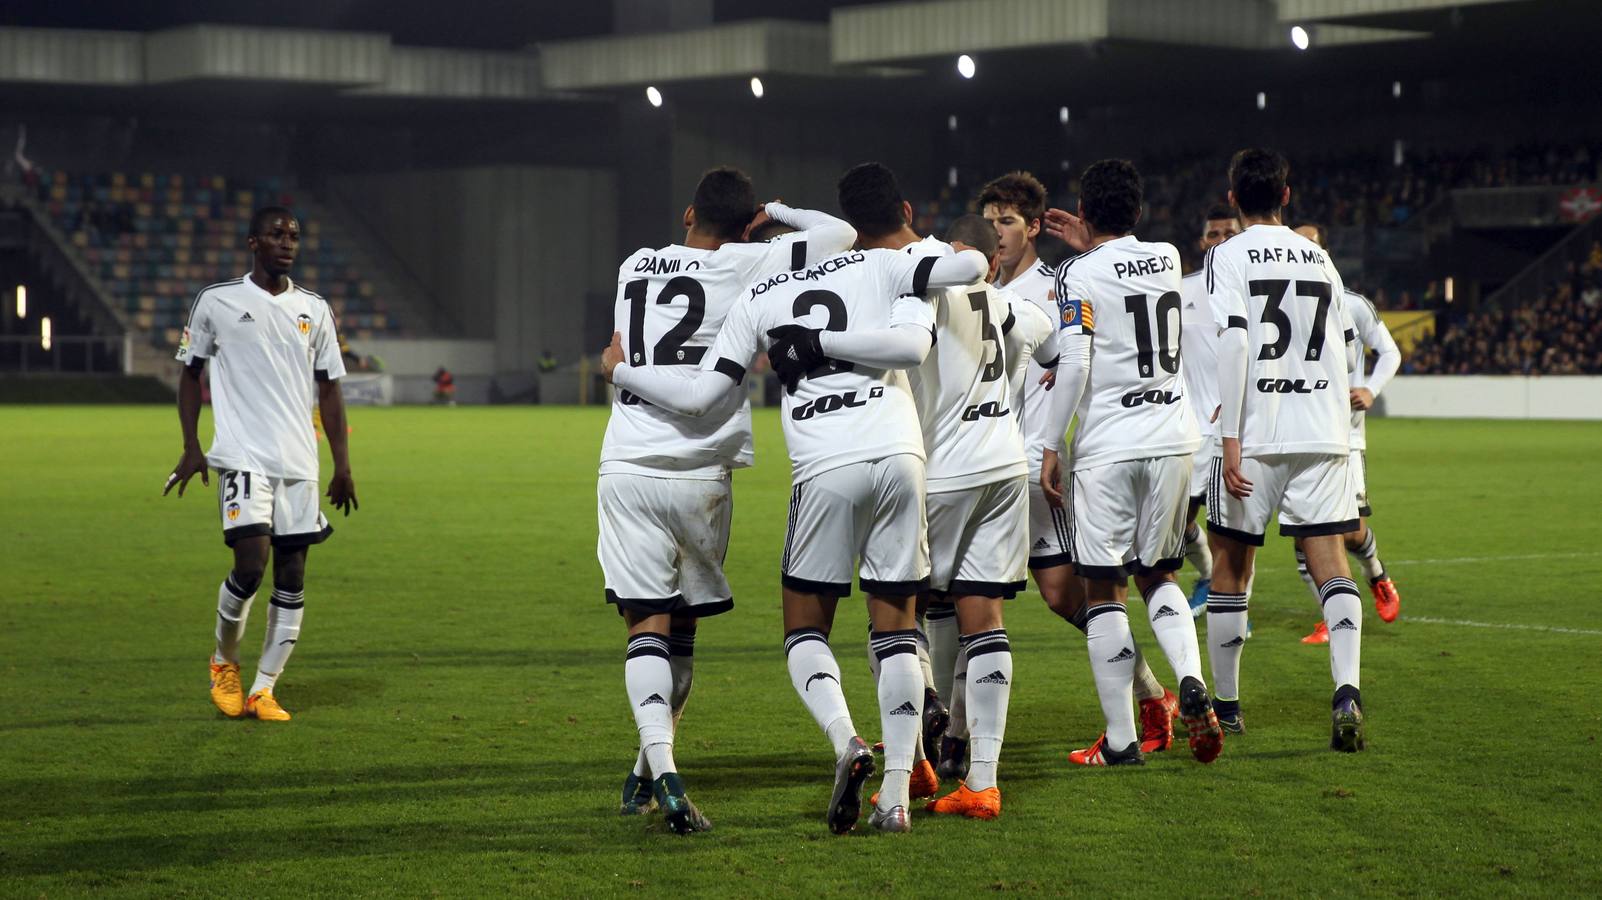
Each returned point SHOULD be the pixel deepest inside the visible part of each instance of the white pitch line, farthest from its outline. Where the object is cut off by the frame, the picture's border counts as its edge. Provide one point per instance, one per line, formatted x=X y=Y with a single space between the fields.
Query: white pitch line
x=1430 y=620
x=1459 y=560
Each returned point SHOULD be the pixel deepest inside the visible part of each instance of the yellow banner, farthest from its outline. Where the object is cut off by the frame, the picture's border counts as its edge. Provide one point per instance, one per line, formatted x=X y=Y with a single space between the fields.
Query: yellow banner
x=1408 y=326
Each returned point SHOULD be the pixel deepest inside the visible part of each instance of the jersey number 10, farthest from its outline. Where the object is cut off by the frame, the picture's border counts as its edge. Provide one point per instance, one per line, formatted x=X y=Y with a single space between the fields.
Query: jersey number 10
x=1166 y=352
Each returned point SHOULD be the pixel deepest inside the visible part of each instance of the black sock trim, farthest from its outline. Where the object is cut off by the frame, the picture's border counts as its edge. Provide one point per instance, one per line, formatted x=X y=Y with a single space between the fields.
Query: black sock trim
x=647 y=644
x=1092 y=612
x=993 y=641
x=800 y=636
x=886 y=644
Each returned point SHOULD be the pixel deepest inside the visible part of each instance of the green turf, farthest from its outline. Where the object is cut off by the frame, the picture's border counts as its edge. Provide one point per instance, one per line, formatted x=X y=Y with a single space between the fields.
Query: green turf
x=461 y=728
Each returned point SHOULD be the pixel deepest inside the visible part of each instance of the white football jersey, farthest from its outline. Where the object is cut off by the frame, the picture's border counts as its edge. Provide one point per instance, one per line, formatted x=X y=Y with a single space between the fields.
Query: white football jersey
x=963 y=390
x=1124 y=294
x=1283 y=289
x=670 y=306
x=851 y=413
x=1198 y=346
x=267 y=354
x=1370 y=333
x=1038 y=287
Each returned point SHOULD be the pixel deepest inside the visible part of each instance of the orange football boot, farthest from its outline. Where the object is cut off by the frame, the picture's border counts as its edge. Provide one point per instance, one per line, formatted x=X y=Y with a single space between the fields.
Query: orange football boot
x=1098 y=754
x=1387 y=602
x=1319 y=635
x=1157 y=722
x=924 y=782
x=985 y=804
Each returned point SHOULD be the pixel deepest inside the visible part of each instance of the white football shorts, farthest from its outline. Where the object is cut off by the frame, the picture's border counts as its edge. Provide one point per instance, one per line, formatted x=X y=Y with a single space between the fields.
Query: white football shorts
x=252 y=505
x=1359 y=476
x=663 y=541
x=1313 y=493
x=977 y=540
x=869 y=511
x=1048 y=530
x=1201 y=469
x=1129 y=517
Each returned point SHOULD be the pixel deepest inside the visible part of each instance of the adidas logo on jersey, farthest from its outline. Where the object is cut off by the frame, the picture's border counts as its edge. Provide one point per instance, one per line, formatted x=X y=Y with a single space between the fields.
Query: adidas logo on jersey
x=993 y=678
x=247 y=318
x=1344 y=625
x=654 y=698
x=905 y=709
x=1041 y=544
x=817 y=676
x=1126 y=653
x=1235 y=641
x=1164 y=613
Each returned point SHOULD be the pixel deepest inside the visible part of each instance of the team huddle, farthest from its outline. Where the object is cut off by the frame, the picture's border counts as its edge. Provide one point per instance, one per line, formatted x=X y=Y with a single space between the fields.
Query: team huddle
x=928 y=386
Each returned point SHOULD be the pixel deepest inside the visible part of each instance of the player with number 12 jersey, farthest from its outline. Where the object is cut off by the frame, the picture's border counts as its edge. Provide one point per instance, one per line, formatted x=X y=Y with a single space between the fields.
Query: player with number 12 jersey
x=664 y=501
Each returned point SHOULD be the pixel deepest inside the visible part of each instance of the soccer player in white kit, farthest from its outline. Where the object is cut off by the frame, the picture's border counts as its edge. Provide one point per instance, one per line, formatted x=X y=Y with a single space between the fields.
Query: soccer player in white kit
x=1371 y=333
x=1131 y=454
x=1016 y=204
x=663 y=495
x=1285 y=421
x=857 y=456
x=274 y=353
x=975 y=470
x=1198 y=343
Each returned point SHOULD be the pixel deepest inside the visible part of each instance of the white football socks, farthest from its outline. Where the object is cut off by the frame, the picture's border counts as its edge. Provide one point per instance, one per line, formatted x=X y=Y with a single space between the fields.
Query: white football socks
x=1169 y=611
x=648 y=678
x=1197 y=551
x=957 y=703
x=1112 y=662
x=900 y=710
x=1343 y=615
x=285 y=609
x=989 y=689
x=1306 y=576
x=1226 y=637
x=816 y=678
x=1367 y=554
x=233 y=608
x=681 y=659
x=941 y=626
x=1147 y=687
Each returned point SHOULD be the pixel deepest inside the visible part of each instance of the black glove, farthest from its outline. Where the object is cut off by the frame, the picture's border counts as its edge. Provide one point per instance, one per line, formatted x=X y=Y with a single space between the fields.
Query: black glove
x=795 y=351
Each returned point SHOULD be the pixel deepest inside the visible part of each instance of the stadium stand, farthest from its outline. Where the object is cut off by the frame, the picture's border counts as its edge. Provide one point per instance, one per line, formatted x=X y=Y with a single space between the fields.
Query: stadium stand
x=155 y=240
x=1559 y=334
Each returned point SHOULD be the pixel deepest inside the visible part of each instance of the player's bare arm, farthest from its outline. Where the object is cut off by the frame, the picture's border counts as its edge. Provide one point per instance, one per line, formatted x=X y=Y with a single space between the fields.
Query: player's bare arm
x=193 y=460
x=331 y=403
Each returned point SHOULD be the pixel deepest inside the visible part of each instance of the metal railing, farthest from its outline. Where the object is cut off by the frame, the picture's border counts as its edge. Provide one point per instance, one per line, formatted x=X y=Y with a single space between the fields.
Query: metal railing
x=80 y=354
x=1549 y=269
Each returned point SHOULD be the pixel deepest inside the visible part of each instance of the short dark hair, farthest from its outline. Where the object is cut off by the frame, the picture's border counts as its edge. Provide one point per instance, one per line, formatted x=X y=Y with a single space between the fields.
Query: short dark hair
x=1321 y=234
x=260 y=218
x=976 y=231
x=725 y=202
x=1019 y=190
x=1220 y=211
x=770 y=229
x=1111 y=193
x=1258 y=176
x=871 y=199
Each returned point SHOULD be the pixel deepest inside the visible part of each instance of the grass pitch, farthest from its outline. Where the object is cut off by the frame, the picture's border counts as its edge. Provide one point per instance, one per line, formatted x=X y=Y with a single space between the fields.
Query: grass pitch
x=460 y=724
